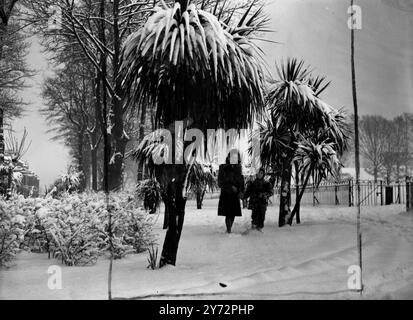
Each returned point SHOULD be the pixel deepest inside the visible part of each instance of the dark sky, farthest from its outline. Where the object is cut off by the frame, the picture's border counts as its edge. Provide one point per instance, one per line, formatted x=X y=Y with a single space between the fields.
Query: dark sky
x=314 y=30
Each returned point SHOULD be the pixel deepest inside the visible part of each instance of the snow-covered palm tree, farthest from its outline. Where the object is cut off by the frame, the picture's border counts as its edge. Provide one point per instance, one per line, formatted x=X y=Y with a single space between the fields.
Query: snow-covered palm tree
x=187 y=64
x=201 y=178
x=317 y=158
x=296 y=110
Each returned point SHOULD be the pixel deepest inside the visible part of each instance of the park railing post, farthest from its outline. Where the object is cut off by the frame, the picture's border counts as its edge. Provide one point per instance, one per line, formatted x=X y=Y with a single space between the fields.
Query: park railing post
x=399 y=200
x=409 y=194
x=381 y=192
x=350 y=193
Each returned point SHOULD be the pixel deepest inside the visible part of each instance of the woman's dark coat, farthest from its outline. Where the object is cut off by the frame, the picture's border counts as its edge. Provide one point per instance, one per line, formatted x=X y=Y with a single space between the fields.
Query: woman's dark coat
x=229 y=201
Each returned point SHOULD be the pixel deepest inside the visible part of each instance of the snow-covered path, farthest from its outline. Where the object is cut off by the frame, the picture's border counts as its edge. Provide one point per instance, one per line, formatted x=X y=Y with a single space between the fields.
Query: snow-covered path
x=308 y=261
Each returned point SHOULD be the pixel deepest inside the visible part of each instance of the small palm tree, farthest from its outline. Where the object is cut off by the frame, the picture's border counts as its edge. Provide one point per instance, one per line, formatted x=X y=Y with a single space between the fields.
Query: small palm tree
x=189 y=65
x=201 y=179
x=150 y=193
x=317 y=160
x=297 y=111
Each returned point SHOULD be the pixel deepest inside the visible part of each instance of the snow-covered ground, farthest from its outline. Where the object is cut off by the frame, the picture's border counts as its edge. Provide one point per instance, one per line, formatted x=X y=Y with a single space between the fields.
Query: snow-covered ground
x=307 y=261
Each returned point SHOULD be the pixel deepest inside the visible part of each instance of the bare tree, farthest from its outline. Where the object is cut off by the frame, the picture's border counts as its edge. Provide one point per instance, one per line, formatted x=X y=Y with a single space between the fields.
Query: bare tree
x=13 y=69
x=402 y=134
x=373 y=137
x=96 y=29
x=70 y=109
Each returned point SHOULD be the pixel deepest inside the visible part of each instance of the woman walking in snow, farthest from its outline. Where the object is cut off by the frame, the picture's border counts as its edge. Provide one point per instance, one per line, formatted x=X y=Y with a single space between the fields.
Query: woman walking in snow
x=231 y=182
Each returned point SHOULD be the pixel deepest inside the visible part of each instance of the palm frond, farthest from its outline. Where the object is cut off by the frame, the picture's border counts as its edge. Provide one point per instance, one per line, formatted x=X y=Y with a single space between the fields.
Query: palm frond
x=276 y=141
x=294 y=100
x=202 y=177
x=317 y=158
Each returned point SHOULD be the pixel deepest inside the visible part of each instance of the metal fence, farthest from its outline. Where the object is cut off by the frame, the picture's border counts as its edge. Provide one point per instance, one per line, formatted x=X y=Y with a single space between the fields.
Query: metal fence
x=372 y=193
x=344 y=193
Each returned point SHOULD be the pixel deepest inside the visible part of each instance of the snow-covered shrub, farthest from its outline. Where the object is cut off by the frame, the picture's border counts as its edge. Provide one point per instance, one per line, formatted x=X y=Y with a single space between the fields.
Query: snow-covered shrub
x=132 y=231
x=70 y=182
x=75 y=227
x=34 y=210
x=11 y=232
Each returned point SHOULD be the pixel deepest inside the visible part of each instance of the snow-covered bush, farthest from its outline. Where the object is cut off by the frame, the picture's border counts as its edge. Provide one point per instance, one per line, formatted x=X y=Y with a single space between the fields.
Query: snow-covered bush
x=132 y=230
x=70 y=182
x=37 y=238
x=11 y=232
x=74 y=228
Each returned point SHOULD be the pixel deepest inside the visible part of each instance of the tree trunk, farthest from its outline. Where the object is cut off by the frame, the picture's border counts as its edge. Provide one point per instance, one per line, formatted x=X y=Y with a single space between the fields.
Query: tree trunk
x=80 y=159
x=297 y=193
x=296 y=209
x=200 y=199
x=9 y=183
x=117 y=133
x=104 y=110
x=94 y=135
x=166 y=214
x=141 y=168
x=2 y=149
x=285 y=192
x=176 y=207
x=94 y=165
x=173 y=177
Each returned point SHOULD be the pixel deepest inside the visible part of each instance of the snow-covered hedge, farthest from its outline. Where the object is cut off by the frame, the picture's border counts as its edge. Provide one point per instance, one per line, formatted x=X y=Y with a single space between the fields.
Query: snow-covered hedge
x=73 y=228
x=11 y=234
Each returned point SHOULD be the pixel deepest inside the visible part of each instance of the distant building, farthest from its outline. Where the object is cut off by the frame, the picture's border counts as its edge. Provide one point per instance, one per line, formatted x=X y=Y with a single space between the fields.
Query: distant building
x=29 y=185
x=26 y=182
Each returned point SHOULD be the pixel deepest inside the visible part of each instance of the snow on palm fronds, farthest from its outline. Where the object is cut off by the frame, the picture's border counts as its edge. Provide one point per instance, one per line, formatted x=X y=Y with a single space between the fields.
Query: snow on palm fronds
x=67 y=183
x=294 y=100
x=201 y=178
x=275 y=140
x=17 y=148
x=185 y=62
x=71 y=180
x=317 y=157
